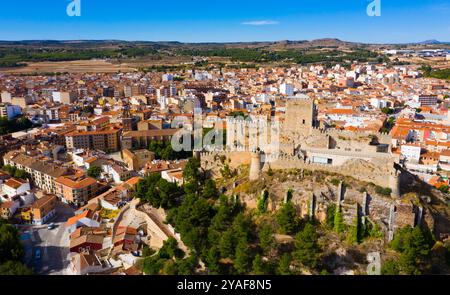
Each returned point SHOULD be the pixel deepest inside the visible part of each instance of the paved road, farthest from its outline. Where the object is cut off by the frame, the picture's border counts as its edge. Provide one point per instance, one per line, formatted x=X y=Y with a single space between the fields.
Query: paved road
x=54 y=244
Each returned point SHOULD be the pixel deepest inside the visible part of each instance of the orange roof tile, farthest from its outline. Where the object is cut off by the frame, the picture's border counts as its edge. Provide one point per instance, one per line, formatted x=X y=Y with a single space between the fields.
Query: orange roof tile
x=71 y=221
x=76 y=182
x=14 y=183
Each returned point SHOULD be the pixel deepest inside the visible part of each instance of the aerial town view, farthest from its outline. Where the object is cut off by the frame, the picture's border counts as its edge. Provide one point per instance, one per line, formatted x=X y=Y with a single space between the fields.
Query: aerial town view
x=308 y=140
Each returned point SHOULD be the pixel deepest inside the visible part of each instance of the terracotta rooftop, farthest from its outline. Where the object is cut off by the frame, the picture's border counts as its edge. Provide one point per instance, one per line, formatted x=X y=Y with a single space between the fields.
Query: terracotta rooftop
x=76 y=182
x=15 y=183
x=43 y=201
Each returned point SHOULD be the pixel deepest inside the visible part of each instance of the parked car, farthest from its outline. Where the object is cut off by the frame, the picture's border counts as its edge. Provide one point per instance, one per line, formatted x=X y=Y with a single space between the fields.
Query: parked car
x=136 y=253
x=51 y=226
x=37 y=254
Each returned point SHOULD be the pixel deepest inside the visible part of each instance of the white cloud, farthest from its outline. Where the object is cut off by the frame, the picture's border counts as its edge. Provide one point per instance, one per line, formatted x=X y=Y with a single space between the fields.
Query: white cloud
x=260 y=23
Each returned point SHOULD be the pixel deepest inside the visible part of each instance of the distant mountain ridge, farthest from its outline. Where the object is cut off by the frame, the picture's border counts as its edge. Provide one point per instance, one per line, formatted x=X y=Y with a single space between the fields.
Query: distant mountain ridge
x=324 y=42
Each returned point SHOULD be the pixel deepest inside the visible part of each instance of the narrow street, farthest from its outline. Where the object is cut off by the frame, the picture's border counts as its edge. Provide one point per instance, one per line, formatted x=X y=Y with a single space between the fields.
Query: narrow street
x=53 y=244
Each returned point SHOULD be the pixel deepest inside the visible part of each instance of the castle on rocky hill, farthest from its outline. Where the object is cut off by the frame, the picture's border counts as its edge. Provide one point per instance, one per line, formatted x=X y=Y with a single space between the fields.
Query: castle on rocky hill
x=296 y=142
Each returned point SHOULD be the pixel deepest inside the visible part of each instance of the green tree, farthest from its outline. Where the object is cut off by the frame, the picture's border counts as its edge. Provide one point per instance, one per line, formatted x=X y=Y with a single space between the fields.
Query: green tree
x=307 y=250
x=331 y=212
x=10 y=247
x=10 y=169
x=263 y=202
x=170 y=268
x=227 y=244
x=414 y=245
x=354 y=234
x=147 y=251
x=287 y=218
x=227 y=172
x=284 y=266
x=390 y=267
x=158 y=191
x=338 y=221
x=153 y=265
x=21 y=174
x=191 y=172
x=243 y=257
x=212 y=260
x=170 y=249
x=94 y=171
x=14 y=268
x=11 y=251
x=164 y=151
x=187 y=266
x=258 y=267
x=210 y=190
x=192 y=220
x=266 y=238
x=444 y=189
x=242 y=226
x=387 y=111
x=384 y=191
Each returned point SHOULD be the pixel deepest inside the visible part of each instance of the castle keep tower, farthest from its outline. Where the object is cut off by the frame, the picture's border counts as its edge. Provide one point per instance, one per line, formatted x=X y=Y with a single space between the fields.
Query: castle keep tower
x=255 y=166
x=299 y=118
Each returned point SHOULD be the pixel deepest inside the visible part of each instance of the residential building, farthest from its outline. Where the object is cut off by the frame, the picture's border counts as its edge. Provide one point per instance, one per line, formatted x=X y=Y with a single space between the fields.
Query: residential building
x=43 y=172
x=86 y=240
x=13 y=187
x=88 y=218
x=86 y=263
x=105 y=140
x=428 y=100
x=143 y=138
x=287 y=89
x=22 y=102
x=5 y=97
x=411 y=152
x=10 y=111
x=8 y=209
x=118 y=173
x=137 y=159
x=175 y=176
x=64 y=97
x=43 y=210
x=76 y=189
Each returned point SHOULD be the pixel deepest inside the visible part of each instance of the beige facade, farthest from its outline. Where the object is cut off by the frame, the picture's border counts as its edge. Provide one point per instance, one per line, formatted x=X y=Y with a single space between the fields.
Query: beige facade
x=76 y=189
x=43 y=173
x=143 y=138
x=106 y=140
x=137 y=159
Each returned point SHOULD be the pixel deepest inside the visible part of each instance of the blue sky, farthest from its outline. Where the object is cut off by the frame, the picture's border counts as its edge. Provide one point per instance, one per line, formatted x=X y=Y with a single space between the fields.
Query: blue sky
x=226 y=20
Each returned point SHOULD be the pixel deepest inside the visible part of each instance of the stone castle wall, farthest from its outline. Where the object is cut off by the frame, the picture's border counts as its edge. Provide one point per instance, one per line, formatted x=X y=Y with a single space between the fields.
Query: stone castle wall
x=369 y=171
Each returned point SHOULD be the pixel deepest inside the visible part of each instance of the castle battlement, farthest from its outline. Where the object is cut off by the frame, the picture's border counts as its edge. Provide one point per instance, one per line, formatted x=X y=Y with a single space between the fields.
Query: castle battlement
x=354 y=134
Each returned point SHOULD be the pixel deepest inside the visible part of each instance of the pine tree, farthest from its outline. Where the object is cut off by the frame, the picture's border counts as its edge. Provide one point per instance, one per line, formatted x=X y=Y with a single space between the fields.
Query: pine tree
x=284 y=266
x=258 y=266
x=307 y=250
x=353 y=234
x=287 y=218
x=212 y=260
x=266 y=238
x=243 y=258
x=338 y=221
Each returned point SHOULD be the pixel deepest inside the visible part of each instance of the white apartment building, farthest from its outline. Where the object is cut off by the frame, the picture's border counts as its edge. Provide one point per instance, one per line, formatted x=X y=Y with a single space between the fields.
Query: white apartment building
x=287 y=89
